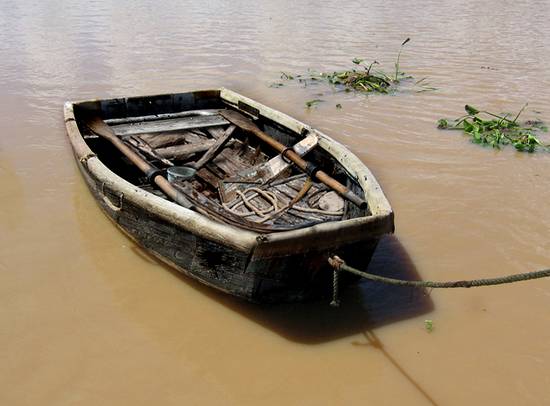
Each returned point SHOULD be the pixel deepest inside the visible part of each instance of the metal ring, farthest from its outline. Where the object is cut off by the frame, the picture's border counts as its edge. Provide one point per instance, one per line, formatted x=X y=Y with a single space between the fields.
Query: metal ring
x=283 y=152
x=153 y=173
x=312 y=169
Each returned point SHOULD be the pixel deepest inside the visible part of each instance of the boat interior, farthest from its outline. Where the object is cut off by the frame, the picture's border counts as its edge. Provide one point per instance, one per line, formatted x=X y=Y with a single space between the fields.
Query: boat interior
x=226 y=172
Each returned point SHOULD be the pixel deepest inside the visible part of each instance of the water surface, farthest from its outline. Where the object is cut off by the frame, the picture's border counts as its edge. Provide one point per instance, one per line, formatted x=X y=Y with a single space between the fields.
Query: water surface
x=87 y=318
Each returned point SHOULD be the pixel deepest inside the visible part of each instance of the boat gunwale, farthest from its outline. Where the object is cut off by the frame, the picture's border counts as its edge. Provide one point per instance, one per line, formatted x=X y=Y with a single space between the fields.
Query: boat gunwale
x=342 y=231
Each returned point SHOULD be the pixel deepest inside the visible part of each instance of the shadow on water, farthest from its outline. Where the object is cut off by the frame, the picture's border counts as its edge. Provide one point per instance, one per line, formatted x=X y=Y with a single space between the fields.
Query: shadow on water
x=365 y=305
x=372 y=341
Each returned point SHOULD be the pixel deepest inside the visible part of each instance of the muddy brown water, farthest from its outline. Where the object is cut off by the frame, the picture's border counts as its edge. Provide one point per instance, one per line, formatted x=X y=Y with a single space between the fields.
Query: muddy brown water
x=87 y=318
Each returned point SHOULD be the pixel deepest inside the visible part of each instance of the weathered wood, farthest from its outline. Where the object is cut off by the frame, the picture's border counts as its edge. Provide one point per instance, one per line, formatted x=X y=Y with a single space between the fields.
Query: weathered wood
x=248 y=126
x=147 y=150
x=195 y=136
x=275 y=166
x=267 y=171
x=216 y=211
x=261 y=266
x=291 y=192
x=183 y=152
x=292 y=198
x=163 y=140
x=212 y=263
x=175 y=124
x=215 y=148
x=155 y=117
x=229 y=162
x=215 y=132
x=209 y=177
x=330 y=201
x=98 y=126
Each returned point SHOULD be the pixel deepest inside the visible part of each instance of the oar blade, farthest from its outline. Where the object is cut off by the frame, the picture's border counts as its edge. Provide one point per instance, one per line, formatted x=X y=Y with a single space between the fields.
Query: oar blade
x=239 y=120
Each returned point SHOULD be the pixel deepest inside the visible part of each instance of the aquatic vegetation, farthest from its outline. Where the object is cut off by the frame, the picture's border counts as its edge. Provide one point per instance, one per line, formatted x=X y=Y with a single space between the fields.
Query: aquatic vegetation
x=429 y=325
x=362 y=77
x=498 y=129
x=313 y=103
x=366 y=79
x=287 y=76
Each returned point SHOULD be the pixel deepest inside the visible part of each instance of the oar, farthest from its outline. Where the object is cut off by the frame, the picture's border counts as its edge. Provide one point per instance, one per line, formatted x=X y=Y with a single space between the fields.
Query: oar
x=247 y=125
x=98 y=126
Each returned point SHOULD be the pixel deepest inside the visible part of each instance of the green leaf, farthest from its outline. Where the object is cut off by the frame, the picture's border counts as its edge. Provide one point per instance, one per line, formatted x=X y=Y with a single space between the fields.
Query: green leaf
x=287 y=76
x=468 y=127
x=442 y=124
x=429 y=325
x=471 y=110
x=519 y=146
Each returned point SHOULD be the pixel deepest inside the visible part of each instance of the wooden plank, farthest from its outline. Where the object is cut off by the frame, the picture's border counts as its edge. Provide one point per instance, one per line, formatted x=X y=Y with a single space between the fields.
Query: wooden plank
x=276 y=165
x=215 y=132
x=196 y=135
x=209 y=177
x=162 y=140
x=175 y=124
x=269 y=170
x=182 y=152
x=147 y=150
x=216 y=147
x=155 y=117
x=229 y=162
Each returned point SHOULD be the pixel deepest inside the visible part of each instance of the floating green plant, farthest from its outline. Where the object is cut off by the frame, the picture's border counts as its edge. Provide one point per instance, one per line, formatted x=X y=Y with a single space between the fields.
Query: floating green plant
x=365 y=80
x=286 y=76
x=313 y=103
x=429 y=325
x=498 y=129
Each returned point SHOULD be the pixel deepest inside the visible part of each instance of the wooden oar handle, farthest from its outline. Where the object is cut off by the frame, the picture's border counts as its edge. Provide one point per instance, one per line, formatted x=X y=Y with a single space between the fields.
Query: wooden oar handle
x=352 y=197
x=340 y=189
x=247 y=125
x=98 y=126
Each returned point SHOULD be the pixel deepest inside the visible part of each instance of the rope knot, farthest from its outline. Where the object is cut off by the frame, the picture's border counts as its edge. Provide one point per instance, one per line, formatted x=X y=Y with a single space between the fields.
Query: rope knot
x=336 y=262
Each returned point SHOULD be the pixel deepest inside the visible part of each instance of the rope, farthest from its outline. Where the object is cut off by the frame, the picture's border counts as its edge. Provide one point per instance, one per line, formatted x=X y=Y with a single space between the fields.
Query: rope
x=338 y=264
x=277 y=213
x=335 y=301
x=273 y=211
x=268 y=196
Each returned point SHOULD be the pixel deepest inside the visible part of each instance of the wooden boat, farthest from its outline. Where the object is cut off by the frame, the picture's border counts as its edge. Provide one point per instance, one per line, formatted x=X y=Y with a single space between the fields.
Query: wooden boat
x=248 y=219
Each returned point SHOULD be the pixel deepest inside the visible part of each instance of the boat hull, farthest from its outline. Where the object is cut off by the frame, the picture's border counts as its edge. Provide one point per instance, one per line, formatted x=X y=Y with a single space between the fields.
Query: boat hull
x=274 y=267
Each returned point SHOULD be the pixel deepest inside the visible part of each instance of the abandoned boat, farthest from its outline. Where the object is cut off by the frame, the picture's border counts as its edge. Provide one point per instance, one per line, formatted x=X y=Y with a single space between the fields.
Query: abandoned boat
x=228 y=191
